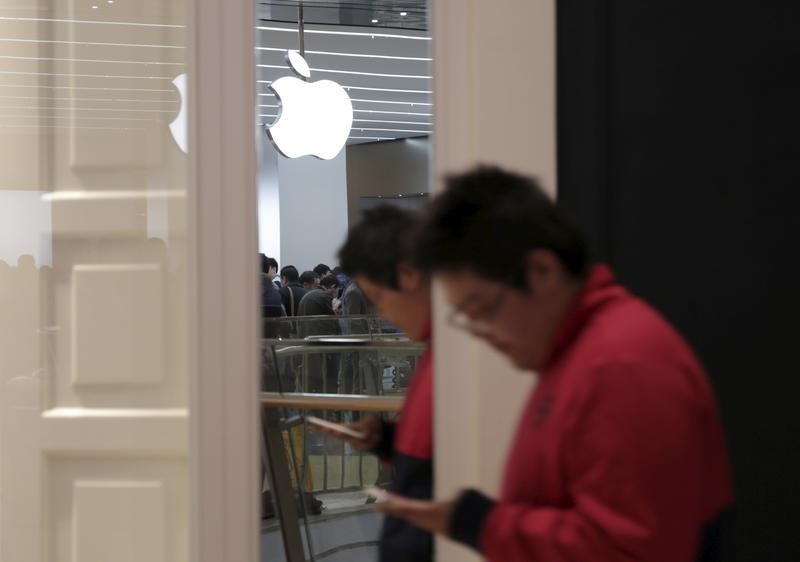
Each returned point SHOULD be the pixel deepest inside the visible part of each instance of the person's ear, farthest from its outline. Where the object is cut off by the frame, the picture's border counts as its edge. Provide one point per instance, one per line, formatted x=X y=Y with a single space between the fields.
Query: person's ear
x=408 y=278
x=543 y=270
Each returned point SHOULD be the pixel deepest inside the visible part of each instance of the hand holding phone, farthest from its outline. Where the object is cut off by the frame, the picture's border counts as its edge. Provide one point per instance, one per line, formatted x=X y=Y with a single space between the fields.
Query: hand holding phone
x=377 y=494
x=335 y=427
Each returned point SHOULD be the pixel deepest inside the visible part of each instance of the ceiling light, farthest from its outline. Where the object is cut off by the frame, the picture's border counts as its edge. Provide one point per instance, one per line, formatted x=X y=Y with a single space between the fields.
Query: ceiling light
x=94 y=7
x=363 y=88
x=88 y=99
x=394 y=130
x=37 y=86
x=373 y=21
x=109 y=109
x=333 y=53
x=321 y=32
x=88 y=43
x=391 y=112
x=394 y=122
x=59 y=59
x=74 y=117
x=62 y=20
x=423 y=77
x=84 y=75
x=390 y=102
x=403 y=14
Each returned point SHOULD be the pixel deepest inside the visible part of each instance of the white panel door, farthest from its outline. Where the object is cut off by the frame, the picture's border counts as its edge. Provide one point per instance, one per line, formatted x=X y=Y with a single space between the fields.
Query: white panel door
x=94 y=320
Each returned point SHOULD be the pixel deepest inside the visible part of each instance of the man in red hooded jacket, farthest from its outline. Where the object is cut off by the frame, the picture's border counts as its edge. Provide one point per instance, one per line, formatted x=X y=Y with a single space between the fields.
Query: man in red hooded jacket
x=619 y=455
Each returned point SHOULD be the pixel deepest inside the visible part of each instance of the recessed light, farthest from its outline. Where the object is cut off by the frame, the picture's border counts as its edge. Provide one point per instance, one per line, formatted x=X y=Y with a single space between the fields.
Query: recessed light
x=403 y=14
x=109 y=1
x=94 y=7
x=374 y=21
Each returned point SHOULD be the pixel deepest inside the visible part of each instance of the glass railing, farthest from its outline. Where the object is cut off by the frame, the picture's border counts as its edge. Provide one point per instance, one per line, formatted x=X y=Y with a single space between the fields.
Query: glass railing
x=303 y=327
x=314 y=504
x=332 y=512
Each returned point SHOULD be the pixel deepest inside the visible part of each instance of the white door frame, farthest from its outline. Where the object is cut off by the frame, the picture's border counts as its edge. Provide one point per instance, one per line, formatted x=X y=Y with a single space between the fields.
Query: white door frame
x=494 y=100
x=224 y=293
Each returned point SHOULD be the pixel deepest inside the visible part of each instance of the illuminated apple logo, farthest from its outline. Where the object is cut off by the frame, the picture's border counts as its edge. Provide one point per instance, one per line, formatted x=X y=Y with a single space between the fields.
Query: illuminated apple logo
x=179 y=124
x=315 y=117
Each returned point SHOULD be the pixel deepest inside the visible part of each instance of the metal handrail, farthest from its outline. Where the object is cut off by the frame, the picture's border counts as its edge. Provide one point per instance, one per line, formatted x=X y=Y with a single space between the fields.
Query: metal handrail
x=294 y=348
x=327 y=317
x=346 y=402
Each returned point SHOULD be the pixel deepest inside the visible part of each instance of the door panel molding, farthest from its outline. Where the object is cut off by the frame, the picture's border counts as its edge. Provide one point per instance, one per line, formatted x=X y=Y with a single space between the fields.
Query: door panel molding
x=224 y=440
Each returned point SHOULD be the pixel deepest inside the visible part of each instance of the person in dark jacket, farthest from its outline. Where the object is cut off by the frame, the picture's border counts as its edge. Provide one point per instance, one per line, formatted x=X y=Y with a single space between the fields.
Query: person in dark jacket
x=309 y=280
x=619 y=453
x=323 y=368
x=292 y=292
x=322 y=270
x=271 y=307
x=269 y=267
x=319 y=301
x=377 y=255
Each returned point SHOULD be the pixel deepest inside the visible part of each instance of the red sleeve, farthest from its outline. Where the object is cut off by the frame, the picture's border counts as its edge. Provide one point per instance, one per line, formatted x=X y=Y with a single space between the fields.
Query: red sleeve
x=634 y=465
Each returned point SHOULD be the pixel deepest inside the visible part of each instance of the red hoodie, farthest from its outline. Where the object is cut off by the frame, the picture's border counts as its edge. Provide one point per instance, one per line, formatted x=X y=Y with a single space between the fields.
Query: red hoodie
x=619 y=454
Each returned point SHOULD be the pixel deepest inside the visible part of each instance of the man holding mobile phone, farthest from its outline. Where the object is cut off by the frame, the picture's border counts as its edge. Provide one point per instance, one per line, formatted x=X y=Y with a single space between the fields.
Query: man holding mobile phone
x=619 y=453
x=377 y=255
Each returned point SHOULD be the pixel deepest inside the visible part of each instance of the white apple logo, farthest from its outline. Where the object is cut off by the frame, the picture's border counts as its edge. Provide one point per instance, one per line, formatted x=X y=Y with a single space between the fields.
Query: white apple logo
x=179 y=124
x=315 y=117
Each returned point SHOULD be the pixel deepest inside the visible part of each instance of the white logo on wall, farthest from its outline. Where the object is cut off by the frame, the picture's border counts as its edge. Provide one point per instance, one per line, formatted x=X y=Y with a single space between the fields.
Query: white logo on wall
x=315 y=117
x=179 y=124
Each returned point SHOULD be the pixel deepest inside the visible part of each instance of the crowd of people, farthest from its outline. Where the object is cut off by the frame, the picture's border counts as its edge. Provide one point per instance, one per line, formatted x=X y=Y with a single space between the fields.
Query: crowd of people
x=316 y=292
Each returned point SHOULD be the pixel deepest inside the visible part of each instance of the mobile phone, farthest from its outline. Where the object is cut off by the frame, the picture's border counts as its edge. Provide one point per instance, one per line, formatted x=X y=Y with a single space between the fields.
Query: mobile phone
x=337 y=427
x=379 y=494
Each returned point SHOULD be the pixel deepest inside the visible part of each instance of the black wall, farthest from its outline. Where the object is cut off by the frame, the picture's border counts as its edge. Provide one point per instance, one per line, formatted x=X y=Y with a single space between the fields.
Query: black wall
x=679 y=154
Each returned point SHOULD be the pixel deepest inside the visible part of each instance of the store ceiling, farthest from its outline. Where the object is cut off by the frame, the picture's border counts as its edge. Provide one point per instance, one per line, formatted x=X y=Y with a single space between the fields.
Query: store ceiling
x=386 y=71
x=403 y=14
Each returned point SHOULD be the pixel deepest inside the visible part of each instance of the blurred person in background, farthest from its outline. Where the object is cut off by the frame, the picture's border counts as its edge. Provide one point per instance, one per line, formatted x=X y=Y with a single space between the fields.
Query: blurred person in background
x=377 y=255
x=319 y=301
x=271 y=303
x=344 y=280
x=291 y=290
x=272 y=269
x=322 y=270
x=309 y=280
x=619 y=454
x=323 y=376
x=355 y=302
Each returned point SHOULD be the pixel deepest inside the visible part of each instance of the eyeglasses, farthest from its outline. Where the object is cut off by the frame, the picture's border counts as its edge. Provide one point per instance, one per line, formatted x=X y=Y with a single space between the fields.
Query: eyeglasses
x=481 y=317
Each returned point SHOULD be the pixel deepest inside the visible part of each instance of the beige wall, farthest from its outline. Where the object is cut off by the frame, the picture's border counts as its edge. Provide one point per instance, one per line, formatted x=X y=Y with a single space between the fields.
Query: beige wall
x=386 y=168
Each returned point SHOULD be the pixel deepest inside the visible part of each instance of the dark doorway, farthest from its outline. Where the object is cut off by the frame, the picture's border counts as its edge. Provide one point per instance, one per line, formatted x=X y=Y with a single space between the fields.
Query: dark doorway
x=679 y=154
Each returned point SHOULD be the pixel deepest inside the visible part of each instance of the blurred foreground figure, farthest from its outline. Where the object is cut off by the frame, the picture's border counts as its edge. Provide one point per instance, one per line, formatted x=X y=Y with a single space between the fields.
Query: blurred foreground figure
x=378 y=256
x=619 y=454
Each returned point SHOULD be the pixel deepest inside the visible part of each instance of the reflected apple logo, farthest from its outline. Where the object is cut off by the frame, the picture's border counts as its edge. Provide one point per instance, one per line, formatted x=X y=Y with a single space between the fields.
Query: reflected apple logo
x=315 y=117
x=179 y=125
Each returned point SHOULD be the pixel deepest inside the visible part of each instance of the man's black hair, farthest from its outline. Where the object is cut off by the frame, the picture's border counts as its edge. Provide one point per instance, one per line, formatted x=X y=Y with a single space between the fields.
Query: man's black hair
x=487 y=220
x=329 y=281
x=308 y=277
x=321 y=269
x=264 y=263
x=272 y=262
x=378 y=244
x=290 y=273
x=336 y=270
